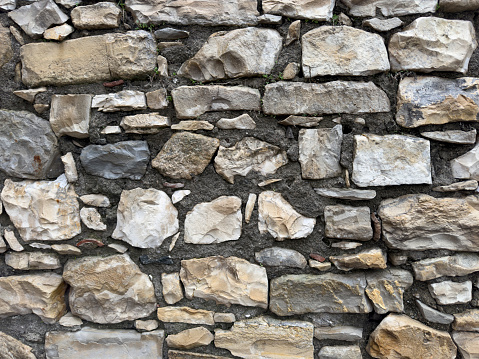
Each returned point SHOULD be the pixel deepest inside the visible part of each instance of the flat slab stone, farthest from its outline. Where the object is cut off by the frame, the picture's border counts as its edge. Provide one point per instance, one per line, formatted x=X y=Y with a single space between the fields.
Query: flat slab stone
x=346 y=222
x=32 y=260
x=340 y=352
x=58 y=33
x=89 y=59
x=191 y=125
x=390 y=7
x=243 y=122
x=434 y=316
x=145 y=123
x=452 y=136
x=185 y=315
x=373 y=258
x=346 y=193
x=458 y=5
x=433 y=44
x=383 y=25
x=280 y=257
x=391 y=160
x=346 y=333
x=175 y=354
x=11 y=347
x=90 y=343
x=203 y=12
x=421 y=222
x=467 y=165
x=193 y=101
x=6 y=51
x=102 y=15
x=297 y=294
x=467 y=343
x=239 y=53
x=127 y=159
x=299 y=98
x=227 y=281
x=301 y=121
x=343 y=51
x=449 y=292
x=172 y=289
x=70 y=115
x=458 y=265
x=265 y=337
x=467 y=321
x=126 y=100
x=321 y=10
x=190 y=338
x=435 y=101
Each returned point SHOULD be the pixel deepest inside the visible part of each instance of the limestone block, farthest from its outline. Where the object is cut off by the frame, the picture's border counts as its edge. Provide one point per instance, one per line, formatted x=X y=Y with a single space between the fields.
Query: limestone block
x=346 y=222
x=185 y=315
x=172 y=290
x=389 y=7
x=145 y=124
x=70 y=115
x=449 y=292
x=102 y=15
x=13 y=348
x=458 y=265
x=321 y=10
x=190 y=338
x=32 y=260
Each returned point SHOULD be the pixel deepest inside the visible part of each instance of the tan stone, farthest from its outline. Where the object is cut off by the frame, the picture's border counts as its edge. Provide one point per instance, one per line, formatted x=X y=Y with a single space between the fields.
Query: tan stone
x=146 y=325
x=157 y=100
x=102 y=15
x=227 y=281
x=32 y=260
x=243 y=122
x=70 y=115
x=457 y=265
x=191 y=125
x=368 y=259
x=14 y=349
x=468 y=344
x=175 y=354
x=95 y=200
x=294 y=32
x=249 y=207
x=29 y=95
x=145 y=123
x=66 y=249
x=12 y=241
x=6 y=51
x=458 y=5
x=69 y=165
x=185 y=315
x=190 y=338
x=224 y=318
x=467 y=321
x=172 y=291
x=291 y=71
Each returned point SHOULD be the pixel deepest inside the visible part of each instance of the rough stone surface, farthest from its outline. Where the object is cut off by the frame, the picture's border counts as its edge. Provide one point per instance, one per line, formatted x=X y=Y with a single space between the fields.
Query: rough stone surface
x=346 y=193
x=12 y=241
x=190 y=338
x=433 y=44
x=185 y=155
x=266 y=337
x=6 y=51
x=346 y=222
x=249 y=154
x=69 y=320
x=280 y=257
x=300 y=9
x=383 y=25
x=294 y=294
x=340 y=352
x=92 y=219
x=13 y=348
x=146 y=325
x=389 y=8
x=399 y=336
x=421 y=222
x=177 y=196
x=467 y=344
x=8 y=4
x=58 y=33
x=127 y=159
x=102 y=288
x=367 y=259
x=224 y=318
x=90 y=343
x=95 y=200
x=126 y=100
x=172 y=291
x=32 y=260
x=449 y=292
x=344 y=51
x=29 y=95
x=298 y=98
x=156 y=100
x=458 y=5
x=238 y=53
x=102 y=15
x=227 y=281
x=391 y=160
x=71 y=172
x=347 y=333
x=278 y=218
x=70 y=115
x=145 y=218
x=451 y=266
x=467 y=321
x=470 y=185
x=66 y=249
x=291 y=71
x=243 y=122
x=434 y=316
x=145 y=124
x=213 y=98
x=467 y=165
x=185 y=315
x=190 y=125
x=175 y=354
x=453 y=136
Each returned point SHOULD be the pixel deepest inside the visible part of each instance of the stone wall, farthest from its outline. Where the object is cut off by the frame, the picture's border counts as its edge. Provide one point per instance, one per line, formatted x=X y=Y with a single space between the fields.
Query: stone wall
x=239 y=178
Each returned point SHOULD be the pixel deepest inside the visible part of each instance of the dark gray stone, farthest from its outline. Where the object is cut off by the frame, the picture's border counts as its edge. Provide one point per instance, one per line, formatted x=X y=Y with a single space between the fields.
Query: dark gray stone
x=169 y=33
x=434 y=316
x=126 y=159
x=280 y=257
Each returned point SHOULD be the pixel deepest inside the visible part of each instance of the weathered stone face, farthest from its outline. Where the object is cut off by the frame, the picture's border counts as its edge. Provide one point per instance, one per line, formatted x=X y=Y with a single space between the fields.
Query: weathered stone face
x=467 y=165
x=449 y=292
x=243 y=122
x=13 y=348
x=300 y=9
x=102 y=15
x=100 y=289
x=280 y=257
x=32 y=260
x=346 y=333
x=452 y=136
x=6 y=52
x=172 y=290
x=126 y=100
x=368 y=259
x=467 y=344
x=70 y=115
x=238 y=53
x=434 y=316
x=451 y=266
x=389 y=7
x=383 y=25
x=346 y=222
x=185 y=315
x=459 y=5
x=340 y=352
x=150 y=123
x=268 y=338
x=227 y=281
x=467 y=321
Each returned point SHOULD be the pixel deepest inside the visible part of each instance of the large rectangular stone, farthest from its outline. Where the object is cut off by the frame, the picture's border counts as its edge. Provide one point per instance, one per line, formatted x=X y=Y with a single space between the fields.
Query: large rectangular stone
x=298 y=98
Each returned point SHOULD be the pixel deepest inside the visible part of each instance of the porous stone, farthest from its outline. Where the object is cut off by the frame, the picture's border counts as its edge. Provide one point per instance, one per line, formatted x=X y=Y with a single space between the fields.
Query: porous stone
x=169 y=33
x=101 y=288
x=126 y=100
x=193 y=101
x=458 y=5
x=421 y=222
x=145 y=123
x=346 y=193
x=70 y=167
x=243 y=122
x=346 y=333
x=391 y=160
x=145 y=218
x=205 y=12
x=102 y=15
x=13 y=348
x=383 y=25
x=172 y=291
x=239 y=53
x=249 y=154
x=40 y=294
x=386 y=287
x=340 y=352
x=190 y=338
x=29 y=146
x=32 y=260
x=92 y=219
x=157 y=100
x=185 y=155
x=227 y=281
x=346 y=222
x=190 y=125
x=434 y=316
x=267 y=337
x=294 y=32
x=291 y=71
x=449 y=292
x=467 y=321
x=70 y=115
x=42 y=210
x=6 y=51
x=467 y=344
x=95 y=200
x=69 y=320
x=249 y=207
x=467 y=165
x=297 y=294
x=89 y=59
x=12 y=241
x=66 y=249
x=34 y=19
x=402 y=337
x=321 y=10
x=214 y=222
x=390 y=8
x=367 y=259
x=433 y=44
x=127 y=159
x=185 y=315
x=343 y=51
x=280 y=257
x=435 y=101
x=146 y=325
x=452 y=136
x=299 y=98
x=58 y=33
x=458 y=265
x=90 y=343
x=278 y=218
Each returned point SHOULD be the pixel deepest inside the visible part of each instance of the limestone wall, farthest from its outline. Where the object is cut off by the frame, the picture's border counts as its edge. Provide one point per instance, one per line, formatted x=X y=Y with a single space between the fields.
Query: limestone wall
x=239 y=179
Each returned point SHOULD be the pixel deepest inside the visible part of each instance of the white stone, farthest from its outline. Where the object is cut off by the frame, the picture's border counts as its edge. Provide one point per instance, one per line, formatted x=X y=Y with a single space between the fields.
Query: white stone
x=345 y=333
x=145 y=123
x=383 y=25
x=120 y=248
x=95 y=200
x=389 y=7
x=70 y=115
x=340 y=352
x=452 y=136
x=191 y=125
x=29 y=95
x=173 y=241
x=92 y=219
x=467 y=165
x=12 y=241
x=243 y=122
x=177 y=196
x=70 y=167
x=470 y=185
x=321 y=10
x=69 y=320
x=249 y=207
x=449 y=292
x=146 y=325
x=66 y=249
x=457 y=265
x=111 y=130
x=126 y=100
x=346 y=193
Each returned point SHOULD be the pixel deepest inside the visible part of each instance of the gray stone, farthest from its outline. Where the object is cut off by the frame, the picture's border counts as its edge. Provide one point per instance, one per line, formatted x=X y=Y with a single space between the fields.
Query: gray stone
x=391 y=160
x=249 y=207
x=383 y=25
x=126 y=100
x=70 y=115
x=320 y=152
x=8 y=4
x=299 y=98
x=6 y=51
x=145 y=123
x=102 y=15
x=343 y=51
x=90 y=343
x=270 y=19
x=157 y=100
x=301 y=121
x=11 y=347
x=373 y=258
x=58 y=33
x=29 y=146
x=69 y=3
x=458 y=5
x=238 y=53
x=32 y=260
x=434 y=316
x=346 y=222
x=346 y=245
x=390 y=7
x=467 y=344
x=204 y=12
x=346 y=193
x=193 y=101
x=452 y=136
x=185 y=155
x=34 y=19
x=321 y=10
x=421 y=222
x=243 y=122
x=127 y=159
x=280 y=257
x=433 y=44
x=347 y=333
x=340 y=352
x=467 y=165
x=458 y=265
x=467 y=321
x=169 y=33
x=449 y=292
x=297 y=294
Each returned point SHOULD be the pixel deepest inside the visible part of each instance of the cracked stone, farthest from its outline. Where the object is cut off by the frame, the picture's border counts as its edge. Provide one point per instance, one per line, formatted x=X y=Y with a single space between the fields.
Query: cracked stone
x=367 y=259
x=172 y=291
x=389 y=8
x=32 y=260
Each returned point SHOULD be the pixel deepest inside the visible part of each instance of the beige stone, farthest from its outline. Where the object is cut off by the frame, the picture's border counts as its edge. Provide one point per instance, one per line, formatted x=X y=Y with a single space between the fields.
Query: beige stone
x=146 y=325
x=13 y=348
x=457 y=265
x=6 y=51
x=58 y=33
x=102 y=15
x=95 y=200
x=227 y=281
x=190 y=338
x=157 y=99
x=300 y=9
x=145 y=123
x=175 y=354
x=389 y=7
x=250 y=207
x=368 y=259
x=191 y=125
x=66 y=249
x=29 y=95
x=126 y=100
x=470 y=185
x=162 y=68
x=383 y=25
x=12 y=241
x=467 y=321
x=92 y=219
x=291 y=71
x=69 y=320
x=243 y=122
x=172 y=291
x=224 y=318
x=71 y=172
x=32 y=260
x=321 y=266
x=185 y=315
x=467 y=343
x=294 y=32
x=70 y=115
